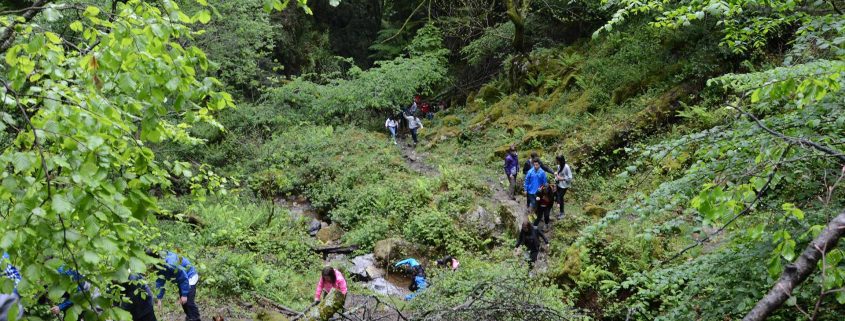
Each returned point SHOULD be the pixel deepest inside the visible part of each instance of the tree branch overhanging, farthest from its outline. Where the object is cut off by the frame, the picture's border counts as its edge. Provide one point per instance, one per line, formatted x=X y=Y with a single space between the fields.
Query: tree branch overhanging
x=796 y=273
x=7 y=38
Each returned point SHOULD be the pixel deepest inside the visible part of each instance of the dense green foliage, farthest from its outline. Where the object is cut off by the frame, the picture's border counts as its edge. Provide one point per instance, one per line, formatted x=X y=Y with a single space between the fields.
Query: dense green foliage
x=706 y=140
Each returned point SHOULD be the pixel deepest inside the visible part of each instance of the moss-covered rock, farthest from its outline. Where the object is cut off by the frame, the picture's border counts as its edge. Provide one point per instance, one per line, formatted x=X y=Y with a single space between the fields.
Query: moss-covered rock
x=388 y=250
x=332 y=303
x=594 y=210
x=329 y=234
x=546 y=136
x=267 y=315
x=489 y=93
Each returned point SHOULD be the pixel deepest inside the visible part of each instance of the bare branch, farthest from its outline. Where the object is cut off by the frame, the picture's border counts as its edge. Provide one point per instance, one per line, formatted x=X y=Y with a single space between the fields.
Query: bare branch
x=794 y=274
x=8 y=35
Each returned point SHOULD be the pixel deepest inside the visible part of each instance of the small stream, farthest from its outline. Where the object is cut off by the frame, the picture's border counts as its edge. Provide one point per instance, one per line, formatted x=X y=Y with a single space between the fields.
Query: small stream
x=390 y=284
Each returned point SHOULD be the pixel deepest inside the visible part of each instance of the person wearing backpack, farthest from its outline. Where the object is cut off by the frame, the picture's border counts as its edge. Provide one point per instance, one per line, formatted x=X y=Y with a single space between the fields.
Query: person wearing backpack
x=419 y=276
x=534 y=179
x=546 y=200
x=511 y=168
x=530 y=236
x=414 y=124
x=563 y=178
x=392 y=125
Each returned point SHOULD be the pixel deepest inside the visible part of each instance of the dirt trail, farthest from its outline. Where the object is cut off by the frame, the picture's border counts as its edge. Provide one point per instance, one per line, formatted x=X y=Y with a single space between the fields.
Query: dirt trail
x=416 y=159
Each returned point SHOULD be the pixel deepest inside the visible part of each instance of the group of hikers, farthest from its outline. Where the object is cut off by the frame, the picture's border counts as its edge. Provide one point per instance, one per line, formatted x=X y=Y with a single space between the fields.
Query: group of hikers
x=541 y=195
x=409 y=118
x=140 y=305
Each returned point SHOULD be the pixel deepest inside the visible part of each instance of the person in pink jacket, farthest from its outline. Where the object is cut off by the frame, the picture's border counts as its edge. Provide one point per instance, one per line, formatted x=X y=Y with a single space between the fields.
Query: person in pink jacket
x=330 y=279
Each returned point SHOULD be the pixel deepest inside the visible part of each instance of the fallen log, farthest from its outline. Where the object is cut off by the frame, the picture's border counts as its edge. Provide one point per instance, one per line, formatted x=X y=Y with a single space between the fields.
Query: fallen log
x=336 y=249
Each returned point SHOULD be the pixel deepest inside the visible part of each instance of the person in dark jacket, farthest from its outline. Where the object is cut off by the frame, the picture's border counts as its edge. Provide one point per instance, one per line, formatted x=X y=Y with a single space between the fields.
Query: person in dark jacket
x=511 y=168
x=530 y=237
x=139 y=299
x=545 y=202
x=528 y=166
x=179 y=269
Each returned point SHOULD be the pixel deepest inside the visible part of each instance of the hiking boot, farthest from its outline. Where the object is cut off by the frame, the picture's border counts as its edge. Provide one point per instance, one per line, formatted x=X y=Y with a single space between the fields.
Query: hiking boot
x=560 y=216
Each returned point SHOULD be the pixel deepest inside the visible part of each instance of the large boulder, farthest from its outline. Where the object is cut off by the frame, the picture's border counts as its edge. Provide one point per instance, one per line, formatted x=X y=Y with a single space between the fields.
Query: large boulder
x=393 y=249
x=509 y=218
x=481 y=220
x=330 y=234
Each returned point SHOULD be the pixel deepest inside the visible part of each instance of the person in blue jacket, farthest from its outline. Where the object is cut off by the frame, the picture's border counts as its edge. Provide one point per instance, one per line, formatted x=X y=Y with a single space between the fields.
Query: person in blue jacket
x=179 y=270
x=81 y=286
x=534 y=178
x=419 y=276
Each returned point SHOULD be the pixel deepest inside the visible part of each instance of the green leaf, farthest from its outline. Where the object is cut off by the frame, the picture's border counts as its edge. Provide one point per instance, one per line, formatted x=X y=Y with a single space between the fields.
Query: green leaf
x=203 y=16
x=52 y=14
x=91 y=257
x=76 y=26
x=52 y=37
x=61 y=205
x=92 y=11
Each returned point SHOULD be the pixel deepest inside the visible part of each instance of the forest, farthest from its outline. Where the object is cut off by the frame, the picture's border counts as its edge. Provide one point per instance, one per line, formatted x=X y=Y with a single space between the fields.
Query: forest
x=612 y=160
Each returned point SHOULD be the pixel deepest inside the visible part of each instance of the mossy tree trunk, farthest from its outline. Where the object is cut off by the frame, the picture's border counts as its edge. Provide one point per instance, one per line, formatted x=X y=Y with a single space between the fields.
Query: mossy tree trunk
x=517 y=10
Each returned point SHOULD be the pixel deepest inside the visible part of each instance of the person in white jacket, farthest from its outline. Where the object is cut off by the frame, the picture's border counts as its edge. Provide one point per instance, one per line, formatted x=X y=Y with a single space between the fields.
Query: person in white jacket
x=563 y=177
x=392 y=125
x=414 y=124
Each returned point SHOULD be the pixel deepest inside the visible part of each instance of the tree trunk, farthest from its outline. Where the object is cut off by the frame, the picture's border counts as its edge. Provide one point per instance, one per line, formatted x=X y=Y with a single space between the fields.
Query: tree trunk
x=794 y=274
x=518 y=20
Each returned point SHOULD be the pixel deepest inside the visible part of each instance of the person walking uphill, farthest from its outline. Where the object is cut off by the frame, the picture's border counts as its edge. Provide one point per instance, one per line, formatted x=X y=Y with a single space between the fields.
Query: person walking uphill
x=330 y=279
x=414 y=124
x=392 y=126
x=530 y=236
x=534 y=179
x=563 y=177
x=180 y=270
x=511 y=168
x=419 y=277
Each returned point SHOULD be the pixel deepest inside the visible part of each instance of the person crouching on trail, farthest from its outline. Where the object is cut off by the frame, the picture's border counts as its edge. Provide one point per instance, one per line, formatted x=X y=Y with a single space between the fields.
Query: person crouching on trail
x=449 y=262
x=534 y=179
x=419 y=277
x=530 y=237
x=545 y=202
x=330 y=279
x=179 y=270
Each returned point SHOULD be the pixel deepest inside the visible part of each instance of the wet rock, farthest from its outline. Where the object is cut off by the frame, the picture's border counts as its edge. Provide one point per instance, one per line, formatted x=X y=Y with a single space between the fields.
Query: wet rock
x=336 y=260
x=388 y=250
x=364 y=268
x=314 y=227
x=331 y=304
x=329 y=234
x=382 y=286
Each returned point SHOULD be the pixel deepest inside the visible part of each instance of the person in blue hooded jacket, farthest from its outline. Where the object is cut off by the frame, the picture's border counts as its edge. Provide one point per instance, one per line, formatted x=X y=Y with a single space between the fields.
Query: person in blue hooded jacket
x=534 y=179
x=419 y=276
x=179 y=270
